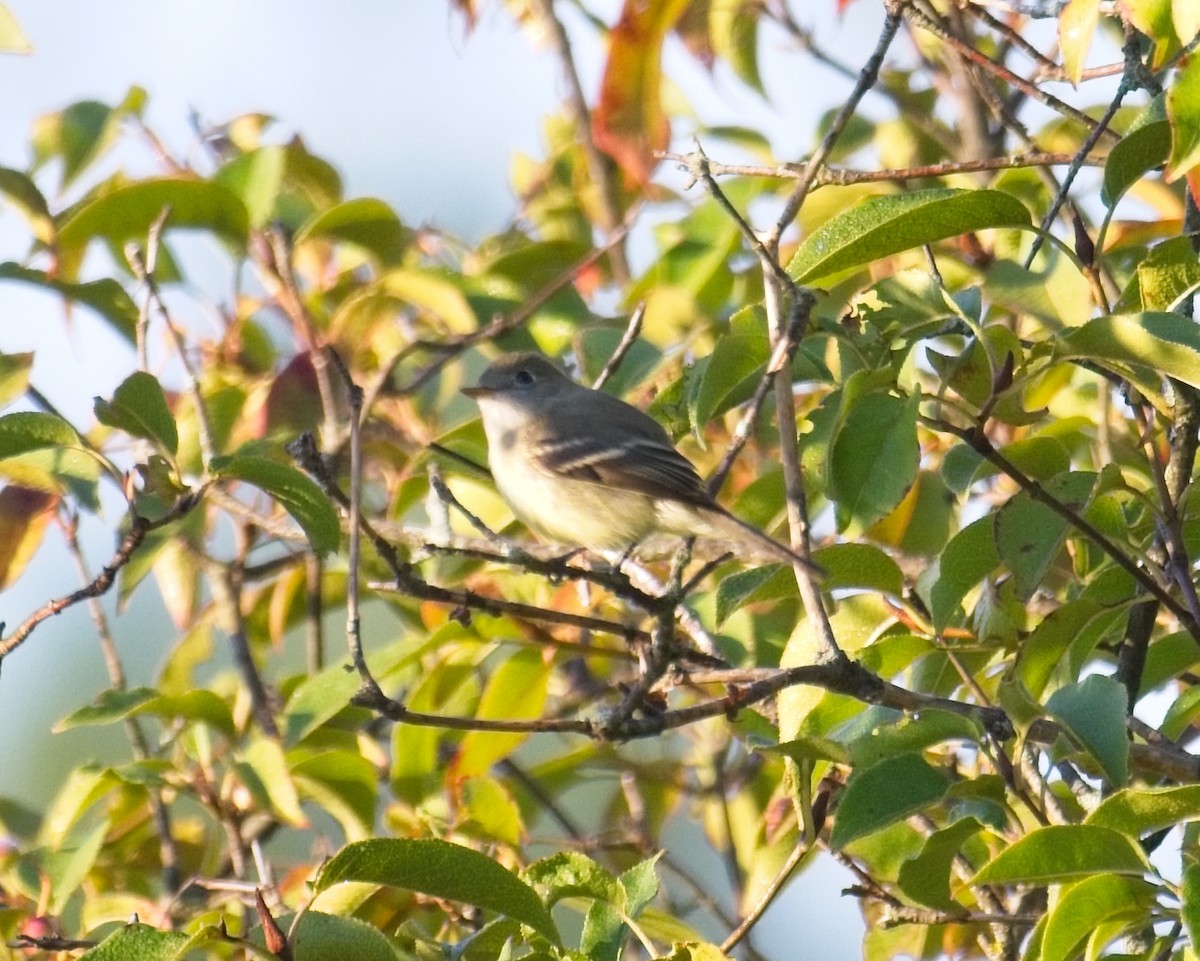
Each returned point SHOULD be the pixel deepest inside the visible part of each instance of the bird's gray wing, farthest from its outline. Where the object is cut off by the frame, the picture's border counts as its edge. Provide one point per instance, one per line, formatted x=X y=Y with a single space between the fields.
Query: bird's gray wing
x=606 y=445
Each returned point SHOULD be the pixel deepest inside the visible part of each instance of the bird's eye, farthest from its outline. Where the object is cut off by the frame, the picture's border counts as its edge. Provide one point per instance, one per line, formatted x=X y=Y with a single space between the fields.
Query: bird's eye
x=523 y=378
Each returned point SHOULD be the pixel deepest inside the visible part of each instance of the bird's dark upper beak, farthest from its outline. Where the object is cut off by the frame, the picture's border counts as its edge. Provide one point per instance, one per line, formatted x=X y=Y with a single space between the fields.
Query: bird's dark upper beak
x=476 y=391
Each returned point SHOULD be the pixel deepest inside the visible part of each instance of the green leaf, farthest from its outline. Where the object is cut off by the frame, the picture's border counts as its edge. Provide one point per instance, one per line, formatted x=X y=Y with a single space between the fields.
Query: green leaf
x=1141 y=810
x=859 y=567
x=429 y=290
x=874 y=458
x=78 y=134
x=255 y=178
x=1092 y=711
x=695 y=951
x=878 y=227
x=926 y=877
x=898 y=734
x=733 y=27
x=1029 y=534
x=365 y=222
x=66 y=868
x=769 y=583
x=517 y=689
x=138 y=942
x=1189 y=909
x=14 y=376
x=127 y=212
x=1163 y=277
x=968 y=558
x=1146 y=146
x=885 y=793
x=23 y=193
x=1165 y=343
x=139 y=407
x=1155 y=19
x=299 y=496
x=32 y=430
x=264 y=771
x=606 y=924
x=733 y=369
x=1080 y=620
x=112 y=706
x=440 y=869
x=571 y=874
x=319 y=698
x=106 y=297
x=1086 y=906
x=325 y=937
x=344 y=784
x=1183 y=111
x=1064 y=852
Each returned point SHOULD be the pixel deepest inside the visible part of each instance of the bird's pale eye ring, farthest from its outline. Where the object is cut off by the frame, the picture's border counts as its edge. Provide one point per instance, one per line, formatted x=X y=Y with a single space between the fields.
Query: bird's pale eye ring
x=523 y=378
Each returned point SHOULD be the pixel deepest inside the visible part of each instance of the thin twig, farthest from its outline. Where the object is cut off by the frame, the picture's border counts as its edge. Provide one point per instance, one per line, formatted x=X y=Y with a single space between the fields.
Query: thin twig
x=773 y=890
x=601 y=170
x=866 y=80
x=139 y=527
x=632 y=331
x=849 y=176
x=141 y=270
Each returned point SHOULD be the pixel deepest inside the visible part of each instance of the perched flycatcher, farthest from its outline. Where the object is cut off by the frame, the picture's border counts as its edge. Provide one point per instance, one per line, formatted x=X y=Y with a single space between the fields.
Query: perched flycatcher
x=583 y=468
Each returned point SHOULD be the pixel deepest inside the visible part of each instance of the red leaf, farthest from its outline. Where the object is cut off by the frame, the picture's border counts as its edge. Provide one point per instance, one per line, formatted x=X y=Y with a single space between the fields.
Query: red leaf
x=629 y=123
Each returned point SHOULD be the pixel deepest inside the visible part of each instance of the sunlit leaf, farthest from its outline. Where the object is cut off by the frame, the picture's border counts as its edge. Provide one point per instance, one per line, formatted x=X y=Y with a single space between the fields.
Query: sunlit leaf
x=24 y=194
x=320 y=936
x=365 y=222
x=1093 y=902
x=299 y=496
x=1189 y=909
x=1064 y=852
x=1183 y=112
x=440 y=869
x=139 y=407
x=263 y=770
x=14 y=376
x=733 y=27
x=1140 y=810
x=516 y=690
x=1167 y=343
x=140 y=941
x=127 y=212
x=1076 y=28
x=32 y=430
x=12 y=38
x=879 y=227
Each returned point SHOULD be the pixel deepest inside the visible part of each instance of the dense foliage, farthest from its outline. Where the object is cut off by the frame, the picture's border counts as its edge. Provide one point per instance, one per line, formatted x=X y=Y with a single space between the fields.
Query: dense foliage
x=952 y=352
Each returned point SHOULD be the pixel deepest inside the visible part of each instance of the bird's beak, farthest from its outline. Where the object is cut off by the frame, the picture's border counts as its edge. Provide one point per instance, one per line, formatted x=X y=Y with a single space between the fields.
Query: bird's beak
x=477 y=391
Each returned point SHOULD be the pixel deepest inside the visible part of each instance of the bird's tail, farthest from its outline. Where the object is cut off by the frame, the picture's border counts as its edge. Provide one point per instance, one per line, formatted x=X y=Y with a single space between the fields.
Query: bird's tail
x=753 y=543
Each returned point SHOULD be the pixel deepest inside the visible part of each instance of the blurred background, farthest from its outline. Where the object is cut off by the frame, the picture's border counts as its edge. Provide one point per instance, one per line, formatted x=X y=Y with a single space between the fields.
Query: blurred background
x=410 y=107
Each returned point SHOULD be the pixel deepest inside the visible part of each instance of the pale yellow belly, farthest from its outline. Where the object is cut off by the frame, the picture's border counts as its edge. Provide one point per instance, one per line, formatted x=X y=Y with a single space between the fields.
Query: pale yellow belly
x=575 y=513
